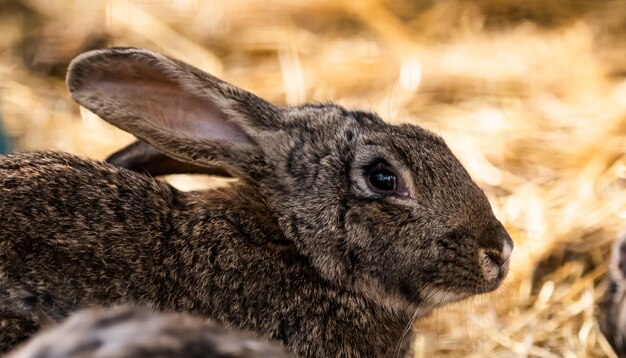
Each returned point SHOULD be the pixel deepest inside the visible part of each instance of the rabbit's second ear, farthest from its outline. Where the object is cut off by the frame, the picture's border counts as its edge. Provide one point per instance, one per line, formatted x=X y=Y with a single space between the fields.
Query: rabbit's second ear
x=184 y=112
x=142 y=157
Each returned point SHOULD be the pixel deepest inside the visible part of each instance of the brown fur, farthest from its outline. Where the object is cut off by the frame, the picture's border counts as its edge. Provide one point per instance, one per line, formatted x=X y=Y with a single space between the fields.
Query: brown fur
x=301 y=250
x=132 y=332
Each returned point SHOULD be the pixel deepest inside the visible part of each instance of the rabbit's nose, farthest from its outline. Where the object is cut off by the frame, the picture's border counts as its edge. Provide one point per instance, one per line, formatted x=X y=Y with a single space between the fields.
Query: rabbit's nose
x=507 y=250
x=500 y=258
x=495 y=263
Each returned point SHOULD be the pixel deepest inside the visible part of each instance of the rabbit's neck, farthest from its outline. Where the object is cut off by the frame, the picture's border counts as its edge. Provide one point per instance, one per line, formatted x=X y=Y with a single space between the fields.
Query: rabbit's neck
x=237 y=268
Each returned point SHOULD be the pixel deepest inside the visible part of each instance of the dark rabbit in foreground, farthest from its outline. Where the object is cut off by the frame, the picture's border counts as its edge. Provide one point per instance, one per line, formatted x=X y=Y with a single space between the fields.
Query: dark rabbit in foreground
x=132 y=332
x=341 y=231
x=613 y=305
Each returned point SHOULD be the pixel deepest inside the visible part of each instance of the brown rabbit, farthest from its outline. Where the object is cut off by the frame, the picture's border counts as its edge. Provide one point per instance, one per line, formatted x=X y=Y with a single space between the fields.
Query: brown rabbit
x=134 y=332
x=340 y=232
x=612 y=315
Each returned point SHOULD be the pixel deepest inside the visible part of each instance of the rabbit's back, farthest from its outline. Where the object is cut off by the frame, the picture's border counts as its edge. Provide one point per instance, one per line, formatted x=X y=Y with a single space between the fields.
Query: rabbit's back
x=69 y=228
x=63 y=194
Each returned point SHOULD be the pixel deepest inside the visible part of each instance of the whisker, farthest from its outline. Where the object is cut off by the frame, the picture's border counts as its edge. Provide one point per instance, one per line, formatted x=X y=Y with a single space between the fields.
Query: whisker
x=430 y=293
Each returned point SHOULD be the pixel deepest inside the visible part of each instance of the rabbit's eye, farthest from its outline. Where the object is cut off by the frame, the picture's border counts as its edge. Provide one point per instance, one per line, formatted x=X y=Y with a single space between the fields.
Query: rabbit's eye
x=383 y=180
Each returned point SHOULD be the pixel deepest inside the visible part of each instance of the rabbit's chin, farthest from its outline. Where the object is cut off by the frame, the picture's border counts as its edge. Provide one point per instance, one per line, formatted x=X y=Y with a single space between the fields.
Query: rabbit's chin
x=434 y=297
x=420 y=303
x=438 y=297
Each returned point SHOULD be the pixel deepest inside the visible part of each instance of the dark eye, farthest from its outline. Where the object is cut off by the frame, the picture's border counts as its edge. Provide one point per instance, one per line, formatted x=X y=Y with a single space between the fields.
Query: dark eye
x=383 y=180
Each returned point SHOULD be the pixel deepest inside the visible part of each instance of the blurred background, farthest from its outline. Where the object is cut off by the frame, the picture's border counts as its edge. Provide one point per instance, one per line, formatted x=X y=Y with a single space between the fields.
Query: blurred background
x=530 y=95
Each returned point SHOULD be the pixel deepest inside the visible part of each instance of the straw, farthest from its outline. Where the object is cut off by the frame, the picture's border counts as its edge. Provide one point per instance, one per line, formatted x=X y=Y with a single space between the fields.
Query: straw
x=530 y=95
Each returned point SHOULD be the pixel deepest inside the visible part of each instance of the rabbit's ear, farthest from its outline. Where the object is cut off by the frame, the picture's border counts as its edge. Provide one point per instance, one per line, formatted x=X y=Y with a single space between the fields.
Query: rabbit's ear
x=184 y=112
x=140 y=156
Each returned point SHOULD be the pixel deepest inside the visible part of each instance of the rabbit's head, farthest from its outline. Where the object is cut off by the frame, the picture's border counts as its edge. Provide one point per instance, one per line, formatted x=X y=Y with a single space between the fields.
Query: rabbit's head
x=383 y=209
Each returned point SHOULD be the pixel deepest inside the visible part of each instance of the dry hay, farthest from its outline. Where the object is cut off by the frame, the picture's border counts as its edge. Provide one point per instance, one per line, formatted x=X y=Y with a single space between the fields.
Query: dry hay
x=531 y=95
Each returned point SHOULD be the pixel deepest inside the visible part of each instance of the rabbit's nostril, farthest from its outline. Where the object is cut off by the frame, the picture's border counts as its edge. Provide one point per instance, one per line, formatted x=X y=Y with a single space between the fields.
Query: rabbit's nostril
x=494 y=263
x=496 y=258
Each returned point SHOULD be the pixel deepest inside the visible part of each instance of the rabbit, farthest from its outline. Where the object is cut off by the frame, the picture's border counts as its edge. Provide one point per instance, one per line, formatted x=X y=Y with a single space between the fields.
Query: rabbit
x=136 y=332
x=339 y=233
x=612 y=307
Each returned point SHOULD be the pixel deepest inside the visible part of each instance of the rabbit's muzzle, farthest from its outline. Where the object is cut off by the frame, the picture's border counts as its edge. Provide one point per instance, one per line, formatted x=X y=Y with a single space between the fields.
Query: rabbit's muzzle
x=495 y=263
